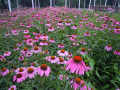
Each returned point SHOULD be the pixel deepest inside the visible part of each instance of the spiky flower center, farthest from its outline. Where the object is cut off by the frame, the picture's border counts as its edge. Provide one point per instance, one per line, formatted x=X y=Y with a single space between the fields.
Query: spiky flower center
x=36 y=48
x=52 y=57
x=30 y=41
x=117 y=27
x=62 y=51
x=21 y=70
x=61 y=59
x=12 y=89
x=30 y=70
x=83 y=49
x=87 y=32
x=3 y=69
x=43 y=67
x=1 y=56
x=77 y=80
x=109 y=45
x=51 y=38
x=77 y=59
x=25 y=49
x=19 y=75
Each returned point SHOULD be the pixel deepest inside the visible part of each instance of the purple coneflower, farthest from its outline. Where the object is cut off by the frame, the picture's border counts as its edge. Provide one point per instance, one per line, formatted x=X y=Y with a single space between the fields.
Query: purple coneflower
x=21 y=70
x=77 y=65
x=19 y=77
x=4 y=71
x=78 y=83
x=44 y=70
x=52 y=59
x=108 y=48
x=36 y=49
x=62 y=53
x=31 y=72
x=117 y=52
x=2 y=57
x=83 y=51
x=13 y=87
x=7 y=53
x=60 y=45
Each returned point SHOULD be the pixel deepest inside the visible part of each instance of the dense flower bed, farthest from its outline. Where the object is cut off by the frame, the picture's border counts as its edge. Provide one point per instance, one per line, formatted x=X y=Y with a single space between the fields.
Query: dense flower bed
x=60 y=49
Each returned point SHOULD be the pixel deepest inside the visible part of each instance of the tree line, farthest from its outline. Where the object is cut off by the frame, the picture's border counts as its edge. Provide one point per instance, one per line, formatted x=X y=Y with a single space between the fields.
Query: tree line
x=4 y=4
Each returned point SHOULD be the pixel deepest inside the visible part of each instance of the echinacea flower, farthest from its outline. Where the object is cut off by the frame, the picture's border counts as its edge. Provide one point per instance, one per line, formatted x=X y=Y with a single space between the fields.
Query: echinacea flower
x=13 y=87
x=29 y=54
x=51 y=29
x=31 y=72
x=2 y=57
x=19 y=77
x=117 y=52
x=60 y=45
x=30 y=42
x=77 y=65
x=108 y=48
x=7 y=34
x=68 y=23
x=27 y=36
x=26 y=31
x=74 y=27
x=24 y=51
x=19 y=44
x=21 y=70
x=52 y=40
x=78 y=83
x=44 y=37
x=117 y=31
x=44 y=43
x=73 y=39
x=44 y=70
x=87 y=34
x=7 y=53
x=14 y=32
x=61 y=61
x=21 y=58
x=83 y=51
x=62 y=53
x=52 y=59
x=36 y=49
x=4 y=71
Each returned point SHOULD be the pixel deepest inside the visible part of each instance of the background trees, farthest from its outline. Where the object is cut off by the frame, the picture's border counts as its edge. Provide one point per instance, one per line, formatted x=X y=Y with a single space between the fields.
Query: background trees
x=45 y=3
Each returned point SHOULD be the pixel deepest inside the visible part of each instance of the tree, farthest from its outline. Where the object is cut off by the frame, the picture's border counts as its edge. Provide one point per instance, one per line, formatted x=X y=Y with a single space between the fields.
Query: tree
x=50 y=3
x=33 y=4
x=89 y=4
x=65 y=3
x=9 y=5
x=105 y=3
x=79 y=4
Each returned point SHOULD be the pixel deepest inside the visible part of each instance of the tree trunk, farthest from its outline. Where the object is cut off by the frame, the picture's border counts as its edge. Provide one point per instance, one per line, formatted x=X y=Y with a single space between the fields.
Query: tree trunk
x=39 y=3
x=105 y=3
x=79 y=4
x=50 y=3
x=9 y=5
x=89 y=4
x=54 y=2
x=17 y=2
x=65 y=3
x=69 y=3
x=33 y=4
x=84 y=3
x=94 y=3
x=100 y=3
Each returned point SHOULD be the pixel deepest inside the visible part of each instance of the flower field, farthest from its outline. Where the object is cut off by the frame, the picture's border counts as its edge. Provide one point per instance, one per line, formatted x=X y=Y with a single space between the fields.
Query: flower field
x=60 y=49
